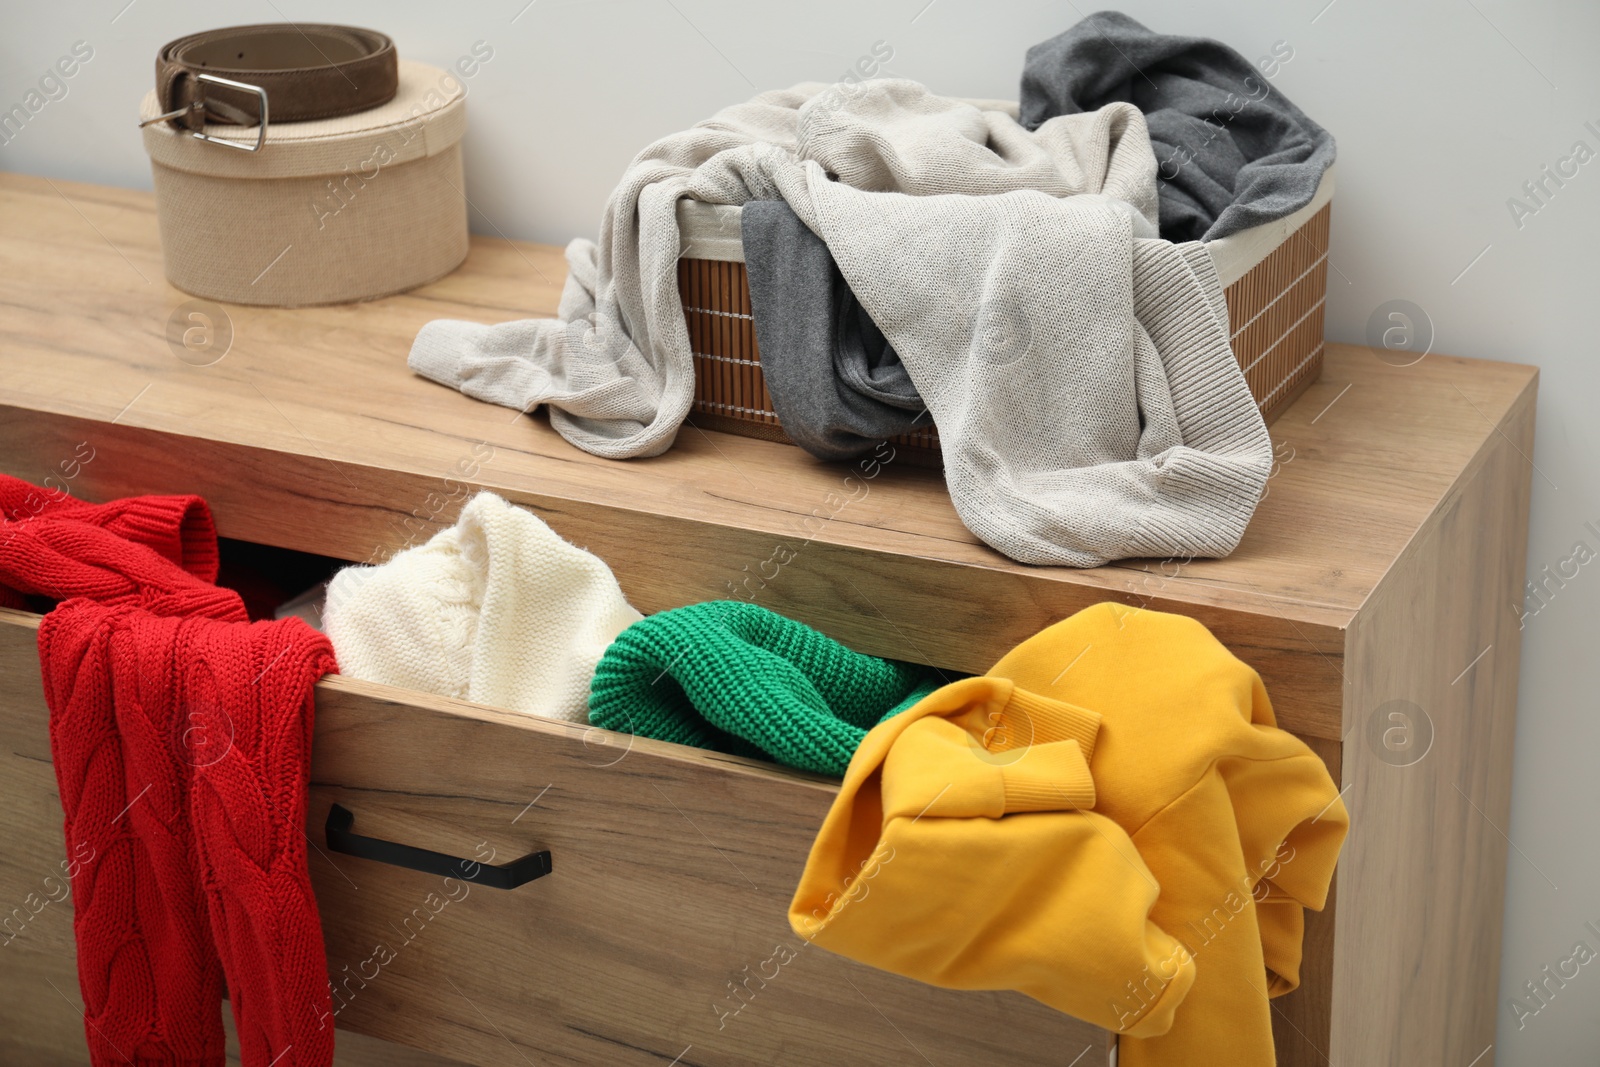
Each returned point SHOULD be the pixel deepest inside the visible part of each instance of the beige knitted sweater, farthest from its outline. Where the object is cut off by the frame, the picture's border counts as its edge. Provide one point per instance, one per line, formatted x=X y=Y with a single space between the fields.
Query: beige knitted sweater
x=1088 y=402
x=498 y=609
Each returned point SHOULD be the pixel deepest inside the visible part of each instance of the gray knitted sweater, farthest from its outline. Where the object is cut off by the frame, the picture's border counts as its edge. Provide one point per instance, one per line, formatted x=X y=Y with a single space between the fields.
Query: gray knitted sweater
x=1088 y=403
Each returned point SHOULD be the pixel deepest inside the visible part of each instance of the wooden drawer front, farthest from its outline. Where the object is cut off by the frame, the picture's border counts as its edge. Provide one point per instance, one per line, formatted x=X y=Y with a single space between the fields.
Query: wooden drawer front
x=661 y=932
x=41 y=1013
x=660 y=937
x=35 y=901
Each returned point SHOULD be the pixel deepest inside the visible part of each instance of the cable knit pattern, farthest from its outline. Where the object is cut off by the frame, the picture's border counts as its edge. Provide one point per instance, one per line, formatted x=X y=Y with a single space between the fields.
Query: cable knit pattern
x=738 y=678
x=178 y=528
x=498 y=609
x=61 y=558
x=180 y=736
x=151 y=980
x=248 y=691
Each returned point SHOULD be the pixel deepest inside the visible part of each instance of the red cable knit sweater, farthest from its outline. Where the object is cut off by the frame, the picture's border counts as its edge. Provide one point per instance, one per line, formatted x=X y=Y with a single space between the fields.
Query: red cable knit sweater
x=181 y=737
x=178 y=528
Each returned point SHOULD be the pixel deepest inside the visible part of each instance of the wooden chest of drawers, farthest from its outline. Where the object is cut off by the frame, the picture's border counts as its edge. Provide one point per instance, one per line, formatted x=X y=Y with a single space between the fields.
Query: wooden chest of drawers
x=1377 y=591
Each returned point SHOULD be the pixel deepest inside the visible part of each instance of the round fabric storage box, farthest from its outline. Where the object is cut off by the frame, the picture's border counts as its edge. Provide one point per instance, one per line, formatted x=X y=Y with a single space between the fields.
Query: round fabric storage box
x=328 y=211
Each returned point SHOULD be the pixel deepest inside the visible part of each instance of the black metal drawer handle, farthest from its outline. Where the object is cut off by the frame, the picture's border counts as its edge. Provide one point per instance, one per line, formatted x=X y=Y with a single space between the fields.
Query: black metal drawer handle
x=340 y=839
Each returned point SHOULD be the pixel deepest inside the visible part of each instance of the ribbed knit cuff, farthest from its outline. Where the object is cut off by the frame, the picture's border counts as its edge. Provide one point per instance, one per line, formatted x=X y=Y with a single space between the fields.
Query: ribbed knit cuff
x=1048 y=777
x=1053 y=742
x=185 y=520
x=436 y=352
x=1210 y=486
x=1032 y=718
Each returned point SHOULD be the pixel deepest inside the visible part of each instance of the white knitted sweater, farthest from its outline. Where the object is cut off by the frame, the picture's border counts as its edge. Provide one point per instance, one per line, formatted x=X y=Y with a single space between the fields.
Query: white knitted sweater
x=498 y=610
x=1088 y=402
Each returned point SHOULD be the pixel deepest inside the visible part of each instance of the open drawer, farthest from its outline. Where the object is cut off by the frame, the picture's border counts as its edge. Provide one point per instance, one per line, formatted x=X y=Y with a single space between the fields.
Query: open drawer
x=1374 y=580
x=660 y=936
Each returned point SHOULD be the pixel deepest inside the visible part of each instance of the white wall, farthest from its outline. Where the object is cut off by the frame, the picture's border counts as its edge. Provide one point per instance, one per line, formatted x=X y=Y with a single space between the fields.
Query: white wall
x=1442 y=108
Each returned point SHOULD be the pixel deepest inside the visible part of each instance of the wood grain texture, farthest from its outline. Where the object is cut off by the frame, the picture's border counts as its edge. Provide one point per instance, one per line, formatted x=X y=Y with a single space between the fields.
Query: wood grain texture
x=1386 y=555
x=1422 y=878
x=33 y=917
x=662 y=930
x=658 y=933
x=41 y=1023
x=41 y=1011
x=312 y=434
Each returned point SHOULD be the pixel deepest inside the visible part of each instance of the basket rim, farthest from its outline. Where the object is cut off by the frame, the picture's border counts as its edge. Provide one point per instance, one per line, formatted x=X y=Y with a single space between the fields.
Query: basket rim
x=711 y=231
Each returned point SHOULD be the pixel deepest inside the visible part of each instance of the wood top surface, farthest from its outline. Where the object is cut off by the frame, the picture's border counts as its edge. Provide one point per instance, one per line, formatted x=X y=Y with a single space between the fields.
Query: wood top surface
x=324 y=394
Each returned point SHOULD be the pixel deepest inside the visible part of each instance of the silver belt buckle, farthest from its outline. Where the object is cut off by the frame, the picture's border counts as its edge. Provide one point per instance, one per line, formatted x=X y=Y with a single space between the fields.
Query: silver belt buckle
x=261 y=124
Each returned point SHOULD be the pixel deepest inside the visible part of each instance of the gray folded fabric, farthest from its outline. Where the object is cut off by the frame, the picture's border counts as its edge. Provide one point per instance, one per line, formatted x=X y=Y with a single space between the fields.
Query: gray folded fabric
x=1233 y=151
x=1089 y=405
x=836 y=383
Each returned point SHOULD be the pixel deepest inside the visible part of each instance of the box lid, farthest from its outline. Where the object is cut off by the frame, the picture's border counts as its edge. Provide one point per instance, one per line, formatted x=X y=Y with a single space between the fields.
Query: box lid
x=426 y=117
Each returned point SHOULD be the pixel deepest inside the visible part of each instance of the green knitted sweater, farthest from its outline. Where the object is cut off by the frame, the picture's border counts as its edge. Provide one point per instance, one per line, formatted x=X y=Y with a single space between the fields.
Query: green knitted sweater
x=738 y=678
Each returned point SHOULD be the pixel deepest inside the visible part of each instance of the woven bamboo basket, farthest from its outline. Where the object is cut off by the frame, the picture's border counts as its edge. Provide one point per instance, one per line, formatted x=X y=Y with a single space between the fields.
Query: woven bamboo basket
x=1275 y=278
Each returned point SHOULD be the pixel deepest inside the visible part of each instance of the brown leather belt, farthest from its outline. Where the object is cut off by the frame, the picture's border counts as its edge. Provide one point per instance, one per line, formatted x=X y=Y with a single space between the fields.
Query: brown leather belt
x=303 y=71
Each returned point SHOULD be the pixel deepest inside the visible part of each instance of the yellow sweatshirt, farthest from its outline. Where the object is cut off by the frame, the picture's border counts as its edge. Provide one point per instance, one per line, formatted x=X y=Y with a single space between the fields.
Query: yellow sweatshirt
x=1108 y=821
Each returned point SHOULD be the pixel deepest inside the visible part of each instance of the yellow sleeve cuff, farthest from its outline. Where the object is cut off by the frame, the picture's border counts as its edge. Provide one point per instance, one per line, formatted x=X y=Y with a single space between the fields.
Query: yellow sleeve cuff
x=1031 y=719
x=1048 y=777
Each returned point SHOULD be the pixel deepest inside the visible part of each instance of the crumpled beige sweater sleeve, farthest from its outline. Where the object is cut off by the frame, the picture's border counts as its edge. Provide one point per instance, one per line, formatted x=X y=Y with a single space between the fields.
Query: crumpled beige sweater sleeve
x=1088 y=401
